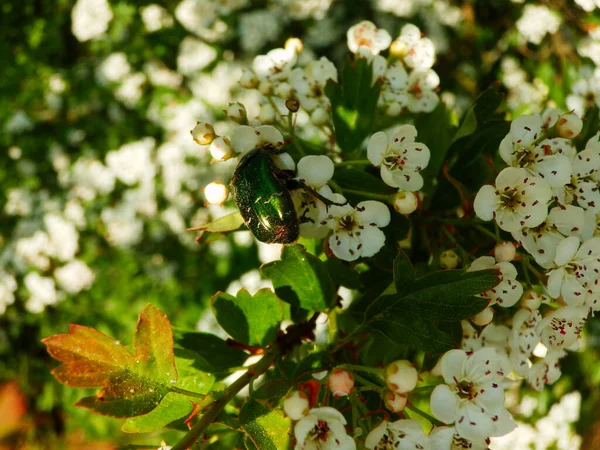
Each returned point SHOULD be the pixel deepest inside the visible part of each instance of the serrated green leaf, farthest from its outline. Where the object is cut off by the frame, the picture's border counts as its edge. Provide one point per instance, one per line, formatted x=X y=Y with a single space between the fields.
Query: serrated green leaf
x=342 y=274
x=206 y=352
x=442 y=308
x=230 y=222
x=301 y=279
x=404 y=272
x=173 y=407
x=250 y=319
x=481 y=111
x=267 y=429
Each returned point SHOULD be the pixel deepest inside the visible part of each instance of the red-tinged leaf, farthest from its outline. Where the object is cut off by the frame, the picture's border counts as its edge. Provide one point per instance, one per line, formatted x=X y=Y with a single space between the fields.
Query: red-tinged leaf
x=132 y=383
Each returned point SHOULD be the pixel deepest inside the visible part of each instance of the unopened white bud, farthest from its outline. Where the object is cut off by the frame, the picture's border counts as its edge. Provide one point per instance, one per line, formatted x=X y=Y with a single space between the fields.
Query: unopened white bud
x=248 y=80
x=393 y=109
x=319 y=116
x=284 y=90
x=203 y=133
x=216 y=193
x=406 y=202
x=401 y=376
x=394 y=402
x=265 y=87
x=531 y=300
x=449 y=260
x=340 y=382
x=220 y=149
x=505 y=251
x=569 y=125
x=294 y=44
x=266 y=114
x=315 y=170
x=237 y=112
x=484 y=317
x=398 y=49
x=296 y=405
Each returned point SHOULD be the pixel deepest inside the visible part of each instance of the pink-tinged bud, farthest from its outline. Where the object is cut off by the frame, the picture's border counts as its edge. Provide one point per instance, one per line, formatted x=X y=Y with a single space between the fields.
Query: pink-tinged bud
x=449 y=260
x=484 y=317
x=216 y=193
x=248 y=80
x=406 y=202
x=394 y=402
x=203 y=133
x=237 y=112
x=401 y=376
x=221 y=149
x=569 y=125
x=296 y=405
x=340 y=382
x=505 y=251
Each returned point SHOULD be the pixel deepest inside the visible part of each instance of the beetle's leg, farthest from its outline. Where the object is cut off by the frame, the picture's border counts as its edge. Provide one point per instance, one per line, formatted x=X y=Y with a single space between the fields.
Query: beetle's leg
x=297 y=184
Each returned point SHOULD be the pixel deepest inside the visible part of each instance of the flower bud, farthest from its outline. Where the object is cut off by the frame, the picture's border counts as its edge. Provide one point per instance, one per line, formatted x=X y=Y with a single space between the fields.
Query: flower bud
x=266 y=114
x=265 y=87
x=248 y=80
x=398 y=49
x=203 y=133
x=294 y=44
x=292 y=105
x=484 y=317
x=296 y=405
x=449 y=259
x=221 y=149
x=393 y=109
x=237 y=112
x=284 y=90
x=216 y=193
x=319 y=116
x=505 y=251
x=406 y=202
x=394 y=402
x=340 y=382
x=531 y=300
x=569 y=125
x=401 y=376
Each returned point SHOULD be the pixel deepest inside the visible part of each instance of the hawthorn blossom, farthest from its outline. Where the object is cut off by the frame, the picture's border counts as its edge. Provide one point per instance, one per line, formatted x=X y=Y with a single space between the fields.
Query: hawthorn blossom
x=421 y=91
x=473 y=397
x=583 y=186
x=562 y=328
x=546 y=370
x=244 y=138
x=523 y=339
x=356 y=230
x=447 y=438
x=400 y=157
x=323 y=429
x=309 y=83
x=417 y=52
x=522 y=148
x=399 y=435
x=276 y=65
x=518 y=200
x=365 y=38
x=577 y=269
x=509 y=290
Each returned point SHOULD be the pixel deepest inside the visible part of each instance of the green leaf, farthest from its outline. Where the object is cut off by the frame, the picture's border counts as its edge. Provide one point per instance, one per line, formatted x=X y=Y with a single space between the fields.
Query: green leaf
x=441 y=308
x=353 y=103
x=591 y=125
x=272 y=390
x=342 y=274
x=314 y=362
x=250 y=319
x=132 y=382
x=481 y=111
x=414 y=331
x=174 y=407
x=206 y=352
x=350 y=178
x=223 y=224
x=404 y=272
x=301 y=279
x=265 y=428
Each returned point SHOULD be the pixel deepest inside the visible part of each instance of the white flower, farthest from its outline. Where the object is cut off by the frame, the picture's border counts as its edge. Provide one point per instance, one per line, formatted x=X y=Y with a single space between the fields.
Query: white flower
x=194 y=55
x=323 y=429
x=420 y=91
x=366 y=39
x=577 y=268
x=418 y=52
x=113 y=69
x=356 y=231
x=522 y=148
x=509 y=290
x=309 y=83
x=123 y=228
x=583 y=187
x=74 y=277
x=562 y=328
x=64 y=238
x=90 y=19
x=155 y=17
x=8 y=286
x=257 y=27
x=19 y=202
x=447 y=438
x=42 y=290
x=473 y=397
x=276 y=65
x=524 y=338
x=536 y=22
x=130 y=91
x=545 y=371
x=91 y=177
x=216 y=193
x=398 y=435
x=296 y=405
x=542 y=241
x=518 y=200
x=132 y=163
x=400 y=157
x=244 y=138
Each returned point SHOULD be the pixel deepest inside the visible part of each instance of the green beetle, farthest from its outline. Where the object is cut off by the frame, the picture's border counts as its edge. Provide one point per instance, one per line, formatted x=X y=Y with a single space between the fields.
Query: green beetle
x=260 y=191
